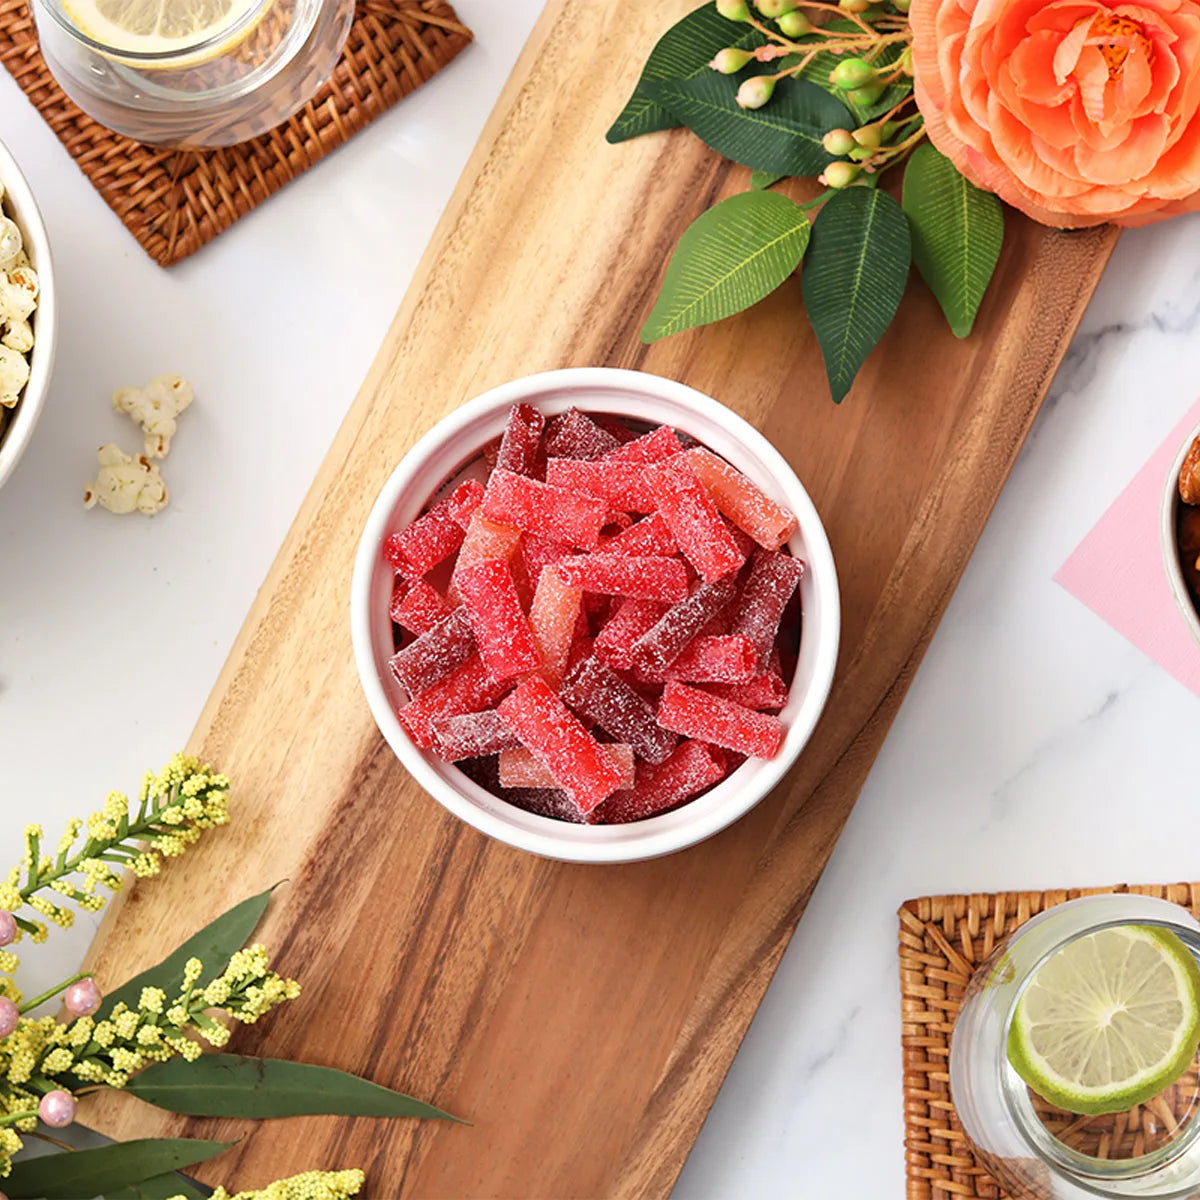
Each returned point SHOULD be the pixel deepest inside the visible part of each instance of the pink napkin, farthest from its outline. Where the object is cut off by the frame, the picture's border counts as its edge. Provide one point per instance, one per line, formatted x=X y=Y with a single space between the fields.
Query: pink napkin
x=1118 y=571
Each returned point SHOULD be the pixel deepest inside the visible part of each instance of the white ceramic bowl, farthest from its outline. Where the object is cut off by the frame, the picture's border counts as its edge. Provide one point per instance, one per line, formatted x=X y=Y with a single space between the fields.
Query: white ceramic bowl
x=20 y=205
x=454 y=442
x=1170 y=543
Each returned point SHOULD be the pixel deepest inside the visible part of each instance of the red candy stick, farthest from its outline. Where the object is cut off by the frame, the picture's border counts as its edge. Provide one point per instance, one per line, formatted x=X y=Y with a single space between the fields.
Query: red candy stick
x=632 y=619
x=547 y=727
x=539 y=552
x=430 y=539
x=723 y=659
x=773 y=579
x=553 y=616
x=695 y=523
x=469 y=689
x=688 y=772
x=573 y=435
x=696 y=714
x=764 y=692
x=399 y=591
x=549 y=512
x=605 y=699
x=745 y=504
x=522 y=436
x=655 y=446
x=421 y=608
x=434 y=655
x=663 y=579
x=545 y=802
x=520 y=769
x=500 y=625
x=649 y=537
x=624 y=485
x=485 y=539
x=472 y=735
x=656 y=649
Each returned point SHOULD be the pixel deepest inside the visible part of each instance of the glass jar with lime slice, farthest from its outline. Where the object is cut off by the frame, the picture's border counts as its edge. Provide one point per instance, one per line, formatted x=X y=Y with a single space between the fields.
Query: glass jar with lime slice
x=1073 y=1062
x=191 y=72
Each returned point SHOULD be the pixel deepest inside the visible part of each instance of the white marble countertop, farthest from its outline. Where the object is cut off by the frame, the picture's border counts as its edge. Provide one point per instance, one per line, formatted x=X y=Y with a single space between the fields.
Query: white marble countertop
x=1036 y=747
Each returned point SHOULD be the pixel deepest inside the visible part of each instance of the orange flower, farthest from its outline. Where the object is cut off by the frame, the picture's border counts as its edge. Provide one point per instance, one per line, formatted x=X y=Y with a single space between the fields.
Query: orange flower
x=1077 y=112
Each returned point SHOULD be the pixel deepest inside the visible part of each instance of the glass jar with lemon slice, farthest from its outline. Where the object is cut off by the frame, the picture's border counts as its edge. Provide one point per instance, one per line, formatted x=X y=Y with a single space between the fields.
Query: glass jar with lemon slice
x=191 y=72
x=1073 y=1063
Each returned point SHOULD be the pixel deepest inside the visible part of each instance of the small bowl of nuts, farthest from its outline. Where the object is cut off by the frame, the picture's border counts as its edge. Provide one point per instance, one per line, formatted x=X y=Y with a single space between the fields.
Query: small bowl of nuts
x=1181 y=531
x=27 y=313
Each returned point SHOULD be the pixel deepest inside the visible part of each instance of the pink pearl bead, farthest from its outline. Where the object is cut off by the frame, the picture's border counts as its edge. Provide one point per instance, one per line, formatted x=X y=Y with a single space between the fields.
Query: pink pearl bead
x=57 y=1109
x=10 y=1016
x=8 y=928
x=83 y=998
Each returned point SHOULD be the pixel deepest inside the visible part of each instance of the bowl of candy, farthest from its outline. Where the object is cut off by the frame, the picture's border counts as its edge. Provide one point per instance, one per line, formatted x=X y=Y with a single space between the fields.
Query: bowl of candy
x=595 y=615
x=27 y=313
x=1181 y=532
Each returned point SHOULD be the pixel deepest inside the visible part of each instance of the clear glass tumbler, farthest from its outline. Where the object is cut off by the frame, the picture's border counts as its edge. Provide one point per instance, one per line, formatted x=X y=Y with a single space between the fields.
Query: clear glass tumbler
x=247 y=78
x=1038 y=1152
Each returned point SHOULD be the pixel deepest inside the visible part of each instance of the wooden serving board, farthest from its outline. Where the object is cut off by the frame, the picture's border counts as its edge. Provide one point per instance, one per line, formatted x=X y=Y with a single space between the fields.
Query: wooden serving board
x=581 y=1017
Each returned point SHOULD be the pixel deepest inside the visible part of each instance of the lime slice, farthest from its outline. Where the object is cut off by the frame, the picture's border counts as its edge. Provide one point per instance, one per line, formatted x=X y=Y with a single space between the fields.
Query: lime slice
x=1109 y=1020
x=156 y=26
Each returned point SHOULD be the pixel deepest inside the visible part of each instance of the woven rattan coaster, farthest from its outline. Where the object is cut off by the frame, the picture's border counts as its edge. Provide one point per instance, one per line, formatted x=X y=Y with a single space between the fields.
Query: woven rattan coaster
x=173 y=201
x=942 y=940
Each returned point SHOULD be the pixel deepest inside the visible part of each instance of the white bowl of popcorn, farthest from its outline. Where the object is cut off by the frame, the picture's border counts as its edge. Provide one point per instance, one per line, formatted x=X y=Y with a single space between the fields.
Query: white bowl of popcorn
x=27 y=313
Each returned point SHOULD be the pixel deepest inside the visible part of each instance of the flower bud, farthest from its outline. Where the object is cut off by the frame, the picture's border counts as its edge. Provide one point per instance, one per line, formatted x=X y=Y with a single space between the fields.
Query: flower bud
x=838 y=141
x=755 y=91
x=860 y=154
x=774 y=9
x=730 y=60
x=854 y=6
x=902 y=6
x=840 y=174
x=866 y=95
x=852 y=73
x=868 y=136
x=734 y=10
x=795 y=24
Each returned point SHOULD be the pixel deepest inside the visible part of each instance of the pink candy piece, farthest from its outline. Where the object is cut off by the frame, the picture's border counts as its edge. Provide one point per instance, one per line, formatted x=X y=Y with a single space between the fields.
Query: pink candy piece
x=497 y=619
x=543 y=510
x=574 y=435
x=522 y=437
x=420 y=608
x=626 y=486
x=695 y=523
x=663 y=579
x=468 y=689
x=472 y=735
x=605 y=699
x=649 y=537
x=553 y=617
x=631 y=620
x=656 y=649
x=726 y=659
x=765 y=692
x=743 y=502
x=434 y=655
x=427 y=541
x=546 y=726
x=773 y=579
x=697 y=714
x=692 y=769
x=655 y=446
x=520 y=769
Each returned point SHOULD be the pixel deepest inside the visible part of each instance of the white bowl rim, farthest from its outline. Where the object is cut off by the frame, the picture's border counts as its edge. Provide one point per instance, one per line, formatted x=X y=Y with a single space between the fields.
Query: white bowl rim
x=556 y=839
x=25 y=212
x=1170 y=543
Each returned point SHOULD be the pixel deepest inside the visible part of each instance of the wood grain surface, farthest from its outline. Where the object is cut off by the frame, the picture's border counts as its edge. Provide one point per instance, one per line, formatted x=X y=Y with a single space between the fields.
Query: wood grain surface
x=582 y=1018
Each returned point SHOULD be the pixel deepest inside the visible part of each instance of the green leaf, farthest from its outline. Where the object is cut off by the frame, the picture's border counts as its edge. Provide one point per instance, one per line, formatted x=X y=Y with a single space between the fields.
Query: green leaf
x=760 y=180
x=214 y=945
x=729 y=258
x=233 y=1085
x=97 y=1172
x=817 y=71
x=161 y=1187
x=957 y=232
x=783 y=137
x=854 y=278
x=683 y=51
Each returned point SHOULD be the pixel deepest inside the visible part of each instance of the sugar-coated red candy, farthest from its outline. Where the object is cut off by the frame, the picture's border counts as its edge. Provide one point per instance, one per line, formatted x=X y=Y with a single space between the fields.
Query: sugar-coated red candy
x=545 y=725
x=772 y=580
x=469 y=689
x=501 y=628
x=545 y=802
x=648 y=537
x=629 y=621
x=695 y=522
x=662 y=579
x=463 y=501
x=417 y=548
x=690 y=770
x=421 y=607
x=721 y=659
x=521 y=769
x=656 y=649
x=522 y=436
x=553 y=616
x=399 y=591
x=625 y=485
x=539 y=552
x=742 y=501
x=472 y=735
x=656 y=446
x=485 y=539
x=549 y=512
x=605 y=699
x=698 y=714
x=434 y=655
x=574 y=435
x=765 y=692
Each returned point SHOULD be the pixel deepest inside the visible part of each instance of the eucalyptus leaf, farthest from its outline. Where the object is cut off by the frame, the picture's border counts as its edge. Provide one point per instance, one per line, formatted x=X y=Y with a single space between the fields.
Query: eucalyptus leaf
x=854 y=278
x=161 y=1187
x=683 y=51
x=729 y=258
x=783 y=137
x=69 y=1176
x=234 y=1085
x=957 y=233
x=759 y=180
x=214 y=945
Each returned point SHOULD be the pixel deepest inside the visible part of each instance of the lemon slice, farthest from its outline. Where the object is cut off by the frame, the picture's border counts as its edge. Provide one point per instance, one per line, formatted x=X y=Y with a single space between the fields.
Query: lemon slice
x=1109 y=1020
x=156 y=26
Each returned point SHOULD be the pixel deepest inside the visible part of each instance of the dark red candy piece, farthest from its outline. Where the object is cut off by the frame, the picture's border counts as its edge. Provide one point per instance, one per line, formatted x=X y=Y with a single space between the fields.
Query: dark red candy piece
x=773 y=579
x=546 y=802
x=656 y=649
x=522 y=436
x=472 y=735
x=698 y=714
x=434 y=655
x=690 y=770
x=574 y=435
x=603 y=698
